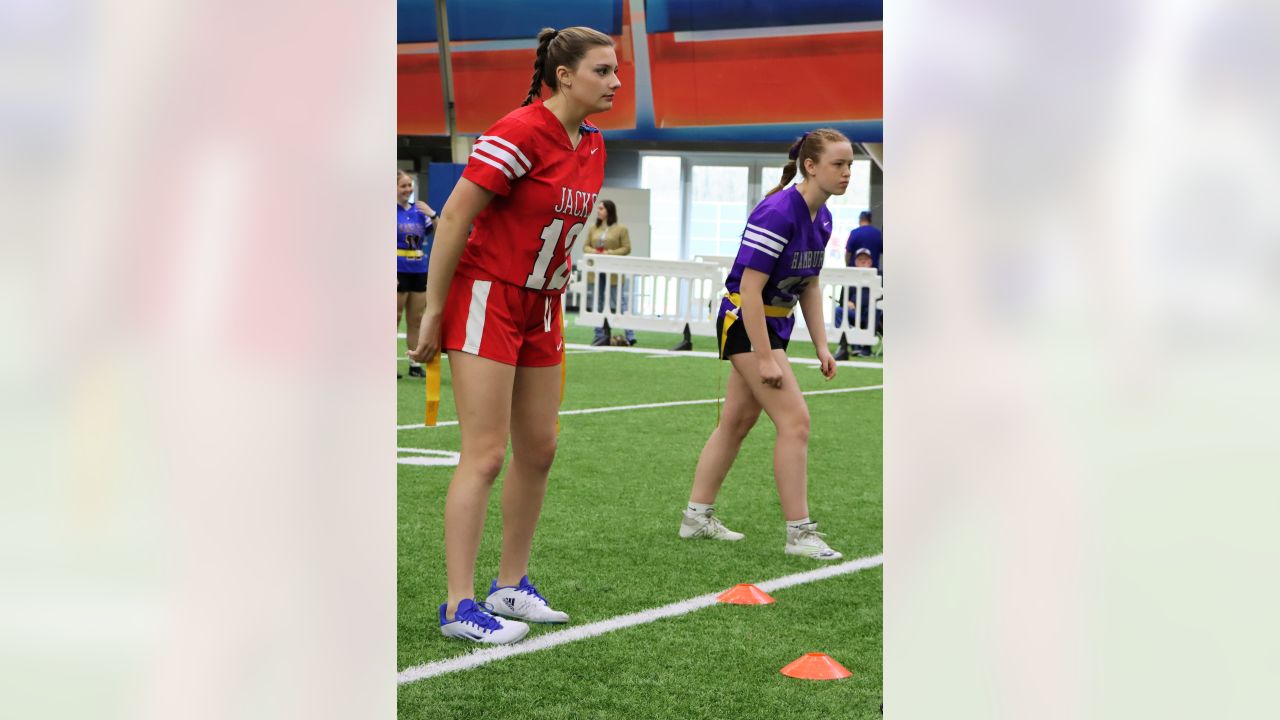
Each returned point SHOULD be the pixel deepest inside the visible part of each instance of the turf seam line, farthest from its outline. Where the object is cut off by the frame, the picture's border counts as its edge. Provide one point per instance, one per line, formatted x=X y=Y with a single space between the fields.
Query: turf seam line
x=583 y=632
x=647 y=406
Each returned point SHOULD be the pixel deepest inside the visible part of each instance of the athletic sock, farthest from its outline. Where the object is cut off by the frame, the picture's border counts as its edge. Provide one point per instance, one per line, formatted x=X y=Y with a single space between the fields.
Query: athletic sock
x=699 y=508
x=797 y=524
x=414 y=363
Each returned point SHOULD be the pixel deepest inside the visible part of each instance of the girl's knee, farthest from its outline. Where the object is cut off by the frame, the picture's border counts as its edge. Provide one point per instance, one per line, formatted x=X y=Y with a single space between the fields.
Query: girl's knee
x=487 y=462
x=538 y=458
x=795 y=426
x=739 y=426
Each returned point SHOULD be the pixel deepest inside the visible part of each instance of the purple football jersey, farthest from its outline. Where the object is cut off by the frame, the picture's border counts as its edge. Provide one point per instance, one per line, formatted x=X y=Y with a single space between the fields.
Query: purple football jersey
x=782 y=242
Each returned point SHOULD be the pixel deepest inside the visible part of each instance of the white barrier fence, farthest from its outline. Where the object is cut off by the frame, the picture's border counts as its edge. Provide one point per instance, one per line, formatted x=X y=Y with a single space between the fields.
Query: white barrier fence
x=647 y=294
x=663 y=295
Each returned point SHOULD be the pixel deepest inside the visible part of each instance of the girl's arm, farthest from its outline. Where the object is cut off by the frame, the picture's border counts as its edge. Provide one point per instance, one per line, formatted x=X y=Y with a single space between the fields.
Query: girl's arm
x=425 y=209
x=624 y=238
x=811 y=303
x=464 y=204
x=751 y=292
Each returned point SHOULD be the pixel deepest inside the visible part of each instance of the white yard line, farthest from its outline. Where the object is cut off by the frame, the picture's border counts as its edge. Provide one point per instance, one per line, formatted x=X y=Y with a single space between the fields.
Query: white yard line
x=651 y=354
x=655 y=354
x=647 y=406
x=590 y=630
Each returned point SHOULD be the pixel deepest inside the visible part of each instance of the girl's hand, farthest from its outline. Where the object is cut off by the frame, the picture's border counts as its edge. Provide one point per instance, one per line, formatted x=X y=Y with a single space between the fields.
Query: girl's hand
x=770 y=373
x=828 y=363
x=428 y=339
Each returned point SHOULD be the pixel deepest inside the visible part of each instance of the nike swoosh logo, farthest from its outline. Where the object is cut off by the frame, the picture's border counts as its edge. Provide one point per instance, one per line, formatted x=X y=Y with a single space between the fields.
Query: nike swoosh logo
x=593 y=150
x=559 y=345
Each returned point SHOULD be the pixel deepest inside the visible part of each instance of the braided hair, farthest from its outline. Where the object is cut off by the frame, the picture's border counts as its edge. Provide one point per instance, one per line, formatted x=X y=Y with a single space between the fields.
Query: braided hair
x=561 y=47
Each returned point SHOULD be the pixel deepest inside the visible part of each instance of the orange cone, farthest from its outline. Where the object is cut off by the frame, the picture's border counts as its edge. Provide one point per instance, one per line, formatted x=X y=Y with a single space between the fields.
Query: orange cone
x=745 y=594
x=815 y=666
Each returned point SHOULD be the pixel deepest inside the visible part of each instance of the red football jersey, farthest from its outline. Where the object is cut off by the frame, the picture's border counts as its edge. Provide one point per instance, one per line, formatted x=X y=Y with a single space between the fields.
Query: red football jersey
x=546 y=192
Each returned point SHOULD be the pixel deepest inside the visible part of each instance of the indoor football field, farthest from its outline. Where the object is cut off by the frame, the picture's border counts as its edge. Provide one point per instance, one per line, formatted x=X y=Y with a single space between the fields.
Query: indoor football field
x=647 y=637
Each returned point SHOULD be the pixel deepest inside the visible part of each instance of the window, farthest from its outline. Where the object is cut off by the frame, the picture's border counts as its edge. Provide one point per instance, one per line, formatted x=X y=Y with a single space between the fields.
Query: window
x=660 y=175
x=699 y=202
x=717 y=209
x=769 y=176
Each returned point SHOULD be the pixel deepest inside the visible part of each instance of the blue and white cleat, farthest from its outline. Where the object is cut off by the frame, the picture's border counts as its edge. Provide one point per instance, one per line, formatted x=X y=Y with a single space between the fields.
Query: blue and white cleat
x=523 y=602
x=474 y=623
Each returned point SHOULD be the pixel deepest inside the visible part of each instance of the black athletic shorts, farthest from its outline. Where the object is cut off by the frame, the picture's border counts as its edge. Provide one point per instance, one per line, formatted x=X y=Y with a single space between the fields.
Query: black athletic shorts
x=411 y=282
x=737 y=340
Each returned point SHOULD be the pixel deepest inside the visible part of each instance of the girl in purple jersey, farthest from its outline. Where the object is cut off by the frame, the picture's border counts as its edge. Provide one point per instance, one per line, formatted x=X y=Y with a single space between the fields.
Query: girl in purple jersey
x=776 y=268
x=415 y=222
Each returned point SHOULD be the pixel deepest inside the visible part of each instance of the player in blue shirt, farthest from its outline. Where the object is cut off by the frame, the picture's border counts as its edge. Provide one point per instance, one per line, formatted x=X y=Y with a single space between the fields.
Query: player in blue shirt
x=776 y=268
x=414 y=226
x=865 y=238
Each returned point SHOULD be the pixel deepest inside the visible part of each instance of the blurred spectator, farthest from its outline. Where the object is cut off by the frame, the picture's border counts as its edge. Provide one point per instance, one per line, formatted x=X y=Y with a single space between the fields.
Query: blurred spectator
x=863 y=249
x=609 y=237
x=415 y=224
x=866 y=236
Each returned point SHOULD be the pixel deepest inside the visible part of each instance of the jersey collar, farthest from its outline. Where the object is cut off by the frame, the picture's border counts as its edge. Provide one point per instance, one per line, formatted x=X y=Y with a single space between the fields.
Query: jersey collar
x=556 y=128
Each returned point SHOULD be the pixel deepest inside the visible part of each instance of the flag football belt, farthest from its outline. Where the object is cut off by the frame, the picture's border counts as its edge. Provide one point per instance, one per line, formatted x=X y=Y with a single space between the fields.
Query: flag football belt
x=731 y=317
x=409 y=253
x=433 y=390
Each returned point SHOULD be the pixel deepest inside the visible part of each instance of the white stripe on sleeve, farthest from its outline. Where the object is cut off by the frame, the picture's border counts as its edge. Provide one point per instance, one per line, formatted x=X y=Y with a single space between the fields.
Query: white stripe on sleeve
x=511 y=146
x=760 y=248
x=494 y=163
x=762 y=239
x=507 y=158
x=770 y=233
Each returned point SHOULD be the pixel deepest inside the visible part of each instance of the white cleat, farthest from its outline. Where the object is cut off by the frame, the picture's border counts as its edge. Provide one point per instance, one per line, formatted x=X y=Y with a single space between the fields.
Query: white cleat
x=706 y=525
x=523 y=603
x=473 y=622
x=807 y=541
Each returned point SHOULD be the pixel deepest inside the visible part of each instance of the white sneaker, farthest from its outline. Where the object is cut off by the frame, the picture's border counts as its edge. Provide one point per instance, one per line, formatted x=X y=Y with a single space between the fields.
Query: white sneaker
x=523 y=602
x=472 y=622
x=806 y=540
x=706 y=525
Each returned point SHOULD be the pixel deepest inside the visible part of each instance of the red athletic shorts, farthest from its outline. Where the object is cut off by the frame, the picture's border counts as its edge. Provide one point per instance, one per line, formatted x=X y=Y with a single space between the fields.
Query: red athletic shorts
x=502 y=322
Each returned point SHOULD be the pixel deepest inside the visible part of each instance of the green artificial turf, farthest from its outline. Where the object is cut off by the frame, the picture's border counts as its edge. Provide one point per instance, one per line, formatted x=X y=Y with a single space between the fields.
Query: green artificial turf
x=606 y=546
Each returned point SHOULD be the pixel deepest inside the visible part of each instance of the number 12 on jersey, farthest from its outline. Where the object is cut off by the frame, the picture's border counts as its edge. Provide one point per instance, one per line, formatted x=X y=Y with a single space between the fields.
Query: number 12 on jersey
x=537 y=279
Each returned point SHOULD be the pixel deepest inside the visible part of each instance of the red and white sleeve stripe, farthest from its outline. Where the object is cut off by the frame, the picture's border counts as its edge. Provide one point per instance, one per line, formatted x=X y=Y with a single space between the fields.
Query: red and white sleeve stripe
x=493 y=150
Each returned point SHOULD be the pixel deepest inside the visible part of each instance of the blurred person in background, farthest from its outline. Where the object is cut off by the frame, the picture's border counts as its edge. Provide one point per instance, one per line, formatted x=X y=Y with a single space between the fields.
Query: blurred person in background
x=862 y=307
x=864 y=241
x=414 y=225
x=607 y=236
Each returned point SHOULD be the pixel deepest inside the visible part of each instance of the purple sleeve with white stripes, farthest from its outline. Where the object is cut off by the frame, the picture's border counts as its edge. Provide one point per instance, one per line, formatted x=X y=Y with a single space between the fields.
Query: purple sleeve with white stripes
x=501 y=156
x=764 y=240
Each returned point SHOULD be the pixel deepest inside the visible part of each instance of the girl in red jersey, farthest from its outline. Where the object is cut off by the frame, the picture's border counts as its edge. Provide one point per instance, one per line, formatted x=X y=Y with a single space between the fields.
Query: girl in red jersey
x=493 y=303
